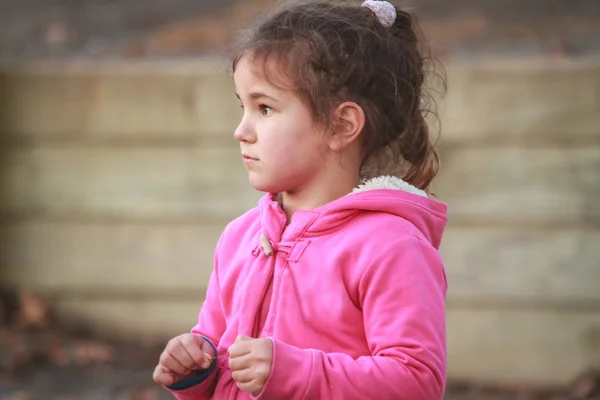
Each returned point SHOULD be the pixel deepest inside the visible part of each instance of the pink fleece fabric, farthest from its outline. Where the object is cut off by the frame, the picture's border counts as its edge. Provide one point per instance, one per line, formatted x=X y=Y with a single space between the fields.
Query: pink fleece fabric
x=352 y=298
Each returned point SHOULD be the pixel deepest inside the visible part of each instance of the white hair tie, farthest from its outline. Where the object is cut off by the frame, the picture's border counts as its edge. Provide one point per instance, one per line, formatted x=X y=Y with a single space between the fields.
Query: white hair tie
x=384 y=10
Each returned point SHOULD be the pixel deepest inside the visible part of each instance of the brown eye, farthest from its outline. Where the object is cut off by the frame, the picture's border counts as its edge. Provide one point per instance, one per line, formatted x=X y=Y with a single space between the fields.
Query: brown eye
x=266 y=110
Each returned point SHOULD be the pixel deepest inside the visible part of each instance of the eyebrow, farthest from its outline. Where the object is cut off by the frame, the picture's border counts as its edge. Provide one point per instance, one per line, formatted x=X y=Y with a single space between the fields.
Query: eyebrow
x=258 y=95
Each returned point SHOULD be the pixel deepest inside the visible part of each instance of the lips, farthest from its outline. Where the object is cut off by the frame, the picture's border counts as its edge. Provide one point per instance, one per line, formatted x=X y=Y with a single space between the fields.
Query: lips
x=246 y=157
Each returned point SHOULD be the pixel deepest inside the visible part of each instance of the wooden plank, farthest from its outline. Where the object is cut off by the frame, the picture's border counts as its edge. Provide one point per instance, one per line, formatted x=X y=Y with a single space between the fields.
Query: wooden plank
x=57 y=257
x=520 y=103
x=506 y=186
x=481 y=263
x=521 y=347
x=509 y=102
x=522 y=265
x=521 y=186
x=127 y=183
x=119 y=105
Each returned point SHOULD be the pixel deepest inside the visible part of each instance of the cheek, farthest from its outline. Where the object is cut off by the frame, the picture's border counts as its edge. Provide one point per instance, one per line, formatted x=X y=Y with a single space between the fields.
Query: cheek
x=292 y=142
x=278 y=140
x=294 y=152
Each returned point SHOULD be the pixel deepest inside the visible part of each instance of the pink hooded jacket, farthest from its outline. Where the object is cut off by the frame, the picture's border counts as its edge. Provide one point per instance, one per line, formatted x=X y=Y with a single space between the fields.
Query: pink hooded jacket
x=351 y=293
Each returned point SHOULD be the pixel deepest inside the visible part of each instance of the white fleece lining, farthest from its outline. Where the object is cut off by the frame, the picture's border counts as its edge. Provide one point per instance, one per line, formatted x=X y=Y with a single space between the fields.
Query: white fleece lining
x=388 y=182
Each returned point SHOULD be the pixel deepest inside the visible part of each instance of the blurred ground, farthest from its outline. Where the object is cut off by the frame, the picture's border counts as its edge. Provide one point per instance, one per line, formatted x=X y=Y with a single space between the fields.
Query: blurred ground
x=129 y=378
x=45 y=359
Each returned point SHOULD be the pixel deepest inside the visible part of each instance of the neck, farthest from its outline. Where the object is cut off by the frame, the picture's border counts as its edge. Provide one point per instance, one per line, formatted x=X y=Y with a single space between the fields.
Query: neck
x=329 y=188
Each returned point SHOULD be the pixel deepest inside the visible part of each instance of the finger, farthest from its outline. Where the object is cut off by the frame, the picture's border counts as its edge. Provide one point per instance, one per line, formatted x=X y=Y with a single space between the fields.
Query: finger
x=239 y=348
x=206 y=363
x=188 y=351
x=180 y=352
x=243 y=338
x=193 y=347
x=252 y=387
x=163 y=376
x=170 y=361
x=207 y=347
x=240 y=363
x=243 y=376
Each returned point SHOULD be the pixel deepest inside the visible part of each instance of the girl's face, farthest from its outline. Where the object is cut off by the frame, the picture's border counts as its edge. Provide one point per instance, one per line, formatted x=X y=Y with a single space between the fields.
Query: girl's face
x=282 y=148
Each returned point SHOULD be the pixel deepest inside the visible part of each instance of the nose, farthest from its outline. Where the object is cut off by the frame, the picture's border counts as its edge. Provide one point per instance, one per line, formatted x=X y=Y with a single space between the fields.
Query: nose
x=244 y=131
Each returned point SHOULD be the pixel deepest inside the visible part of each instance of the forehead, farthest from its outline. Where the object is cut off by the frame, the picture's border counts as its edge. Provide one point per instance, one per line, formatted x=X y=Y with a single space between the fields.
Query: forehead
x=261 y=73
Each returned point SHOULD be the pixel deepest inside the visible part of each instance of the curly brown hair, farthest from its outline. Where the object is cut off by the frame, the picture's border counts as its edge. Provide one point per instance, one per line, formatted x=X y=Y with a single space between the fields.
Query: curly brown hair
x=331 y=52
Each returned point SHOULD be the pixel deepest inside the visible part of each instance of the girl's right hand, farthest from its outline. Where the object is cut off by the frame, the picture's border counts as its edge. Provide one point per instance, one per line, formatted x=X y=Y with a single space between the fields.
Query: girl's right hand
x=182 y=356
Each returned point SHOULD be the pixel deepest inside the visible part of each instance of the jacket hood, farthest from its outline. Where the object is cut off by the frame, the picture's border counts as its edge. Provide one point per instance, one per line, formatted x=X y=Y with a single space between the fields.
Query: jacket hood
x=384 y=194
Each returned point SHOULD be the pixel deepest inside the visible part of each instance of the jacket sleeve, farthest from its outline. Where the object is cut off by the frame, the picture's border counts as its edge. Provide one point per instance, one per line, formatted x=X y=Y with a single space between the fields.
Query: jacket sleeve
x=211 y=325
x=402 y=295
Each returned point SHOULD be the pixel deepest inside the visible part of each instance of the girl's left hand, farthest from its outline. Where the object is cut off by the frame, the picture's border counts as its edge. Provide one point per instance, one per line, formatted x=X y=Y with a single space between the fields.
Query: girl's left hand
x=250 y=363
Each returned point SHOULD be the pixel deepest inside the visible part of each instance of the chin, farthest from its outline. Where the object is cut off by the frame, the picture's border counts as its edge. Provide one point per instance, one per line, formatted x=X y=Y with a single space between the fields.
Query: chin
x=264 y=186
x=261 y=186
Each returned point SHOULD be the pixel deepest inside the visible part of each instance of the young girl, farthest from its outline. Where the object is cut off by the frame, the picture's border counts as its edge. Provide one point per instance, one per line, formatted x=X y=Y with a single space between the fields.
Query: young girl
x=332 y=288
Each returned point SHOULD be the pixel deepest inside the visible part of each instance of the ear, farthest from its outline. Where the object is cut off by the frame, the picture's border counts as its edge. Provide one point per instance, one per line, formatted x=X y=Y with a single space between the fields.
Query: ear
x=349 y=123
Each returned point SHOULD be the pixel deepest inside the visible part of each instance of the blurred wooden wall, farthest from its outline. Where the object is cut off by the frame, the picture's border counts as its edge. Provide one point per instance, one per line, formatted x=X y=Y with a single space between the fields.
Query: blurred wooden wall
x=116 y=183
x=116 y=180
